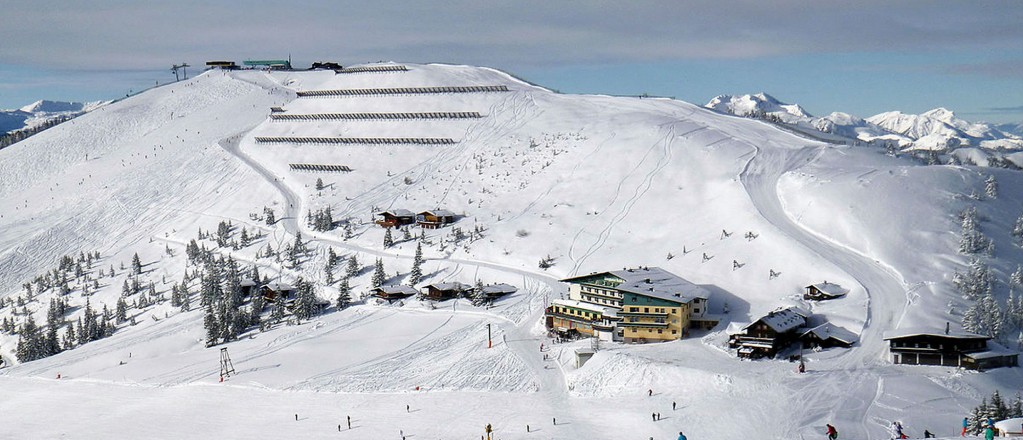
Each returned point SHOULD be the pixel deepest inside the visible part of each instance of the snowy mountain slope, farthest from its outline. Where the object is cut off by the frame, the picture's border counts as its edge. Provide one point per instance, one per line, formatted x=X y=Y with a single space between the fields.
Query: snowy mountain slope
x=595 y=182
x=39 y=112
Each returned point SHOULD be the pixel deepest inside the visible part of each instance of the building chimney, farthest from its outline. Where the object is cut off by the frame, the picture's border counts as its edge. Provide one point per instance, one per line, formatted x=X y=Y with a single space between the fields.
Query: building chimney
x=946 y=327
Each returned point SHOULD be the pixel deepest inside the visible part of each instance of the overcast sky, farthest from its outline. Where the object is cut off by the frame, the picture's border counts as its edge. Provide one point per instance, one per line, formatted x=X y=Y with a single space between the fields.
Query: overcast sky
x=861 y=57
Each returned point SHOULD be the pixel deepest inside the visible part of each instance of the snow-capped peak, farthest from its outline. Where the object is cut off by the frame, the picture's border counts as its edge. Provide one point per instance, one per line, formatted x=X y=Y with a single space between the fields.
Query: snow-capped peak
x=758 y=104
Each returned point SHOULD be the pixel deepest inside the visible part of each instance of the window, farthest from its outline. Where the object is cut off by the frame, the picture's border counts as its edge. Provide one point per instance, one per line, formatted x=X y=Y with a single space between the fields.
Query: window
x=697 y=311
x=634 y=329
x=646 y=309
x=674 y=332
x=659 y=331
x=633 y=309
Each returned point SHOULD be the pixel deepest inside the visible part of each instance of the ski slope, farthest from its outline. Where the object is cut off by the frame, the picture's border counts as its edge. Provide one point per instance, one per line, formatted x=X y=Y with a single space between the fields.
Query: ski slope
x=595 y=182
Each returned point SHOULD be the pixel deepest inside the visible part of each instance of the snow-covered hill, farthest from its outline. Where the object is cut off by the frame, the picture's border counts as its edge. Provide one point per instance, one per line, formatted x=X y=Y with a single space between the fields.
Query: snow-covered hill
x=593 y=182
x=39 y=112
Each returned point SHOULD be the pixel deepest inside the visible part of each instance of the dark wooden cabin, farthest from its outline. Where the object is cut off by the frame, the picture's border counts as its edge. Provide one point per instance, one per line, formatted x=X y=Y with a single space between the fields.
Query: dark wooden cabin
x=394 y=293
x=827 y=335
x=443 y=291
x=769 y=334
x=495 y=291
x=277 y=291
x=434 y=219
x=395 y=218
x=824 y=291
x=915 y=346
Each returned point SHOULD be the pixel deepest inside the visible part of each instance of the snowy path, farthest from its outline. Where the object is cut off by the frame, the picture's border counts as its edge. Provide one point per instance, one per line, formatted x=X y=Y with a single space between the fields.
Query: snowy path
x=859 y=365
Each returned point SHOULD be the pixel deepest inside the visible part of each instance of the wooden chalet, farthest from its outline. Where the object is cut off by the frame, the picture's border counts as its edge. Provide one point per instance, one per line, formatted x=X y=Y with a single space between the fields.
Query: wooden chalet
x=395 y=218
x=574 y=319
x=442 y=291
x=827 y=335
x=394 y=293
x=495 y=291
x=824 y=291
x=434 y=219
x=277 y=291
x=248 y=287
x=921 y=346
x=770 y=334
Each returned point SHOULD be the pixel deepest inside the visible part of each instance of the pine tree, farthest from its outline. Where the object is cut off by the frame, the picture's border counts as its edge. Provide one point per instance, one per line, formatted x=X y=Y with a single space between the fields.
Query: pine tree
x=344 y=295
x=1017 y=230
x=122 y=310
x=971 y=239
x=991 y=187
x=305 y=303
x=332 y=258
x=136 y=264
x=977 y=417
x=379 y=276
x=1016 y=279
x=349 y=233
x=209 y=323
x=329 y=272
x=277 y=315
x=353 y=266
x=29 y=346
x=997 y=407
x=319 y=184
x=256 y=310
x=269 y=213
x=1016 y=407
x=417 y=266
x=388 y=240
x=186 y=299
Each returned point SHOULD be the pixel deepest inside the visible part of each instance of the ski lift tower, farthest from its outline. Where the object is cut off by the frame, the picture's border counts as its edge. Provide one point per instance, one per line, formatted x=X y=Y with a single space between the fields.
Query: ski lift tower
x=184 y=71
x=226 y=367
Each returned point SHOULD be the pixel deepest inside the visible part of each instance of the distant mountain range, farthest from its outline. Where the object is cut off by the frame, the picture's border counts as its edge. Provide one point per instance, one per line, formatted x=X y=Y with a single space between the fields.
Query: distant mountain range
x=40 y=112
x=937 y=130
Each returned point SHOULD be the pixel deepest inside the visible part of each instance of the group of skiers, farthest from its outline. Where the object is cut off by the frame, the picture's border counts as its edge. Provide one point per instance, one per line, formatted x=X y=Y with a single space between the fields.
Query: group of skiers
x=989 y=428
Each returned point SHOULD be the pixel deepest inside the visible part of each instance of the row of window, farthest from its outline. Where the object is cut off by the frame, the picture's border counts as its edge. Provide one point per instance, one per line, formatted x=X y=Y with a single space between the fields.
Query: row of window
x=659 y=331
x=656 y=310
x=568 y=311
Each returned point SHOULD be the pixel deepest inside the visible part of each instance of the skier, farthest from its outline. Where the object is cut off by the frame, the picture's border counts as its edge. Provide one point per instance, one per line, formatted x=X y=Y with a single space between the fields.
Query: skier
x=989 y=433
x=832 y=432
x=650 y=393
x=658 y=416
x=672 y=406
x=408 y=408
x=966 y=424
x=349 y=422
x=653 y=417
x=296 y=417
x=927 y=434
x=681 y=436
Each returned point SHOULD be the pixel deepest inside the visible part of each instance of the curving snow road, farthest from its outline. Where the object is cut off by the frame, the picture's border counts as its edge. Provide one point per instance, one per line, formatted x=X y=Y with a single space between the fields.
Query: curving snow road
x=848 y=406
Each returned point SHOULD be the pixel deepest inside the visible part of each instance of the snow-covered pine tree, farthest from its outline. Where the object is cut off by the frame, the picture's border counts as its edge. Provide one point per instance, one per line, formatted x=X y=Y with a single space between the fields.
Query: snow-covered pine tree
x=319 y=184
x=277 y=314
x=328 y=271
x=388 y=240
x=121 y=310
x=379 y=276
x=30 y=346
x=353 y=266
x=1016 y=279
x=991 y=187
x=1016 y=407
x=1017 y=231
x=136 y=264
x=344 y=295
x=417 y=266
x=976 y=283
x=332 y=258
x=256 y=309
x=971 y=239
x=209 y=323
x=998 y=409
x=305 y=303
x=977 y=418
x=269 y=213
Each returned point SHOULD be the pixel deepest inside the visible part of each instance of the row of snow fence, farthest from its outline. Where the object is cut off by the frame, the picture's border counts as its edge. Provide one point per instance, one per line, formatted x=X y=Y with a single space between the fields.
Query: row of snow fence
x=352 y=140
x=372 y=116
x=404 y=91
x=372 y=69
x=320 y=167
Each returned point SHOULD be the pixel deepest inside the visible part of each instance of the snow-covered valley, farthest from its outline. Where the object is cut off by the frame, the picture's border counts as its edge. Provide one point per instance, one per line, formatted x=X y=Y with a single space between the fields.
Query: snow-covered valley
x=738 y=206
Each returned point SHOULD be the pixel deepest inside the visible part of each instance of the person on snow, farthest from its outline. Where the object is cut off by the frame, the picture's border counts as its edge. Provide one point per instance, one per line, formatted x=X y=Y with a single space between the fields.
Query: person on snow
x=681 y=436
x=832 y=432
x=966 y=424
x=989 y=433
x=927 y=434
x=896 y=430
